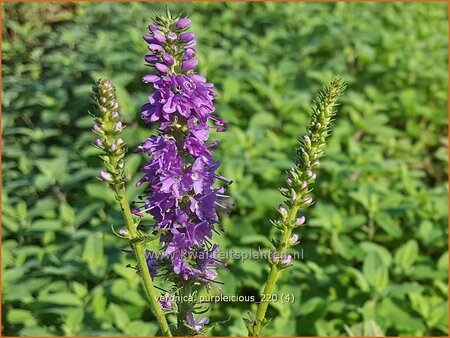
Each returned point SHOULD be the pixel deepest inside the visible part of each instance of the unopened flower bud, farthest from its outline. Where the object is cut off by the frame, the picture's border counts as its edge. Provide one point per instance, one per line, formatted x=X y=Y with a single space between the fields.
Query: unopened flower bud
x=119 y=142
x=188 y=54
x=311 y=175
x=113 y=147
x=284 y=191
x=153 y=27
x=159 y=37
x=183 y=23
x=155 y=48
x=115 y=115
x=151 y=59
x=171 y=36
x=282 y=210
x=191 y=44
x=168 y=59
x=304 y=185
x=98 y=143
x=293 y=197
x=214 y=144
x=96 y=128
x=275 y=258
x=137 y=212
x=119 y=126
x=166 y=303
x=123 y=232
x=105 y=176
x=149 y=38
x=150 y=78
x=162 y=68
x=186 y=37
x=286 y=260
x=300 y=221
x=307 y=141
x=308 y=200
x=293 y=239
x=189 y=64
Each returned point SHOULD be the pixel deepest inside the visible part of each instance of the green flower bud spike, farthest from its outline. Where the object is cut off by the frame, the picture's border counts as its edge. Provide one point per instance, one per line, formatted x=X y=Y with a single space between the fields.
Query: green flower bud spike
x=301 y=176
x=108 y=127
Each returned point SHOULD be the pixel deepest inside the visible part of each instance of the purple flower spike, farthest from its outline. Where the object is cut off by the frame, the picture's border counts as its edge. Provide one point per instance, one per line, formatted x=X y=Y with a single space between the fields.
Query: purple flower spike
x=183 y=23
x=189 y=64
x=180 y=194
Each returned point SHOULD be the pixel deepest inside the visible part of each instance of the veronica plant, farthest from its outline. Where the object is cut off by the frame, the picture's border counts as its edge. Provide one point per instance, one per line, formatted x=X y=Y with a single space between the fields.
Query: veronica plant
x=179 y=176
x=297 y=192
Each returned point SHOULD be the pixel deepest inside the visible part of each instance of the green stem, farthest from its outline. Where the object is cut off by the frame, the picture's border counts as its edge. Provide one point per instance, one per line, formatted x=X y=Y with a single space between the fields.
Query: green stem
x=273 y=275
x=139 y=252
x=183 y=308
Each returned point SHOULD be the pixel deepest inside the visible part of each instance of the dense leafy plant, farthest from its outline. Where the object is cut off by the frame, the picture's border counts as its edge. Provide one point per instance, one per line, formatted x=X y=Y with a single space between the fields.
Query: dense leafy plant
x=375 y=253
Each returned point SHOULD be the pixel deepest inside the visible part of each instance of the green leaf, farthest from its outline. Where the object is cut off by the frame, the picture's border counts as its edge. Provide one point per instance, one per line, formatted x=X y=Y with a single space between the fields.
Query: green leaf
x=121 y=318
x=368 y=328
x=406 y=255
x=61 y=298
x=375 y=272
x=93 y=255
x=388 y=224
x=19 y=316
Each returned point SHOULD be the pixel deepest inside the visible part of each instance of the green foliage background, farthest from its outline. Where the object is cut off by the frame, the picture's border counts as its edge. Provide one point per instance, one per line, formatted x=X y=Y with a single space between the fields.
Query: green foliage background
x=375 y=248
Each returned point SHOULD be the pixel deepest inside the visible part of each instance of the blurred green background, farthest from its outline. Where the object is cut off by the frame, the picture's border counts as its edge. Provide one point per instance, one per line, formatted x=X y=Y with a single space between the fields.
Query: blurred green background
x=375 y=248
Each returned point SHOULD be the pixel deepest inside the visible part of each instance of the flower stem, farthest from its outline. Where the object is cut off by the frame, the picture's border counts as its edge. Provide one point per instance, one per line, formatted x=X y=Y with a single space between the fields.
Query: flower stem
x=183 y=308
x=138 y=249
x=273 y=275
x=300 y=178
